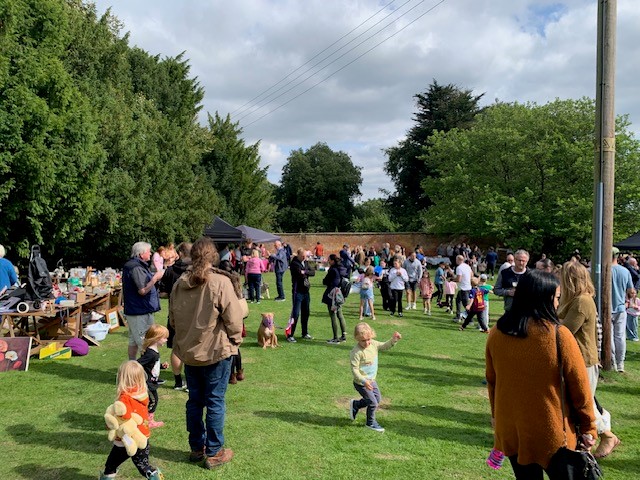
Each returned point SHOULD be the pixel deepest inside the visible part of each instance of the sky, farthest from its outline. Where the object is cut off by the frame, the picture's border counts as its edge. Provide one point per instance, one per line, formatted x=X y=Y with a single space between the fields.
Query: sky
x=345 y=72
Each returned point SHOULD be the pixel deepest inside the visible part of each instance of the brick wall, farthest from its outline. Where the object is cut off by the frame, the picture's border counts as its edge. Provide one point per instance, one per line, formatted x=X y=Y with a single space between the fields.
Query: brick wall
x=333 y=242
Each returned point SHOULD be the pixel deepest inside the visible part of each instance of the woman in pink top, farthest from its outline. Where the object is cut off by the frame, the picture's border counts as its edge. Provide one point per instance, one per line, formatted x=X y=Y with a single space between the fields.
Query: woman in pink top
x=254 y=268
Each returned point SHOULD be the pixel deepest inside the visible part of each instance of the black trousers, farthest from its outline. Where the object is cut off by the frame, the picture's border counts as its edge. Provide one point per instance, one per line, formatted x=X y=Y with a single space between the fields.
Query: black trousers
x=533 y=471
x=119 y=455
x=396 y=300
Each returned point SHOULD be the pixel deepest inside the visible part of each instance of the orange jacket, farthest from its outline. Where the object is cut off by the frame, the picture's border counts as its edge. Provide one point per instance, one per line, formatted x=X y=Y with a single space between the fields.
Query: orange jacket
x=137 y=403
x=523 y=378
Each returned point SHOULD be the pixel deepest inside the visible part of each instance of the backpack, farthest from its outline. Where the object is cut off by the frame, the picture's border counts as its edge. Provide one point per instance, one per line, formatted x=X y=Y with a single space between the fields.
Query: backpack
x=477 y=304
x=345 y=287
x=39 y=285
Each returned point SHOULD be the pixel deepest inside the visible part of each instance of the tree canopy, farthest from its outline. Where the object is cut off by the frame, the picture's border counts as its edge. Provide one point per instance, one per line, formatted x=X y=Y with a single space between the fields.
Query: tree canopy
x=317 y=190
x=439 y=109
x=523 y=175
x=234 y=171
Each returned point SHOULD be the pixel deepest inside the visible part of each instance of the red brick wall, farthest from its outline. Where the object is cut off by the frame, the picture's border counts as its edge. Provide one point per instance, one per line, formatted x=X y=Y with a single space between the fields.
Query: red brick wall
x=333 y=242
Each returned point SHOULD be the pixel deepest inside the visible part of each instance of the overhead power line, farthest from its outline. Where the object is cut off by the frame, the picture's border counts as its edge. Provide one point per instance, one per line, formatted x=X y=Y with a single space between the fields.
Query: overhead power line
x=263 y=102
x=344 y=66
x=312 y=58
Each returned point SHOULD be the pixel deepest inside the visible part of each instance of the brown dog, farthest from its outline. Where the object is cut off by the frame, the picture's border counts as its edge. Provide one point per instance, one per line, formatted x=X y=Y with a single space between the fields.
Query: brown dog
x=266 y=332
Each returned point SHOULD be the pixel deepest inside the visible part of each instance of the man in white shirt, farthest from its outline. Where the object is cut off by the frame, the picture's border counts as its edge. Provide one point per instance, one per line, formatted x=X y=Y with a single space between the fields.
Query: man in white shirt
x=509 y=263
x=463 y=278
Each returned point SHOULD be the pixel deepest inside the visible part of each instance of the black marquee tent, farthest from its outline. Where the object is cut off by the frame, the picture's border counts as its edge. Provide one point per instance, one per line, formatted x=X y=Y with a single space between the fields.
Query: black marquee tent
x=221 y=232
x=630 y=243
x=257 y=235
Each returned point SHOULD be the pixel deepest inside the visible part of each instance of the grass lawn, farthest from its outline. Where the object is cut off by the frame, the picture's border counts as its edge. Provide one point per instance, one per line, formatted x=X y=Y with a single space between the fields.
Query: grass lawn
x=288 y=419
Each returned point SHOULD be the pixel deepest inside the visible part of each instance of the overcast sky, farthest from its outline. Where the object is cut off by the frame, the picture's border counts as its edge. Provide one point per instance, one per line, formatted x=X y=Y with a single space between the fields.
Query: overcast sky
x=511 y=50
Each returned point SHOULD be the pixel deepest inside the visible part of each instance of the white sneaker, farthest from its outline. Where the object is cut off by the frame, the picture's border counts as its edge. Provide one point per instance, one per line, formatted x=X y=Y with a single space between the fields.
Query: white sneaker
x=621 y=367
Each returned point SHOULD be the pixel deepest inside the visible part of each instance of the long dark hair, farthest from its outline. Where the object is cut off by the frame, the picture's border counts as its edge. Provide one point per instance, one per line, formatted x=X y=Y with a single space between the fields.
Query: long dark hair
x=533 y=300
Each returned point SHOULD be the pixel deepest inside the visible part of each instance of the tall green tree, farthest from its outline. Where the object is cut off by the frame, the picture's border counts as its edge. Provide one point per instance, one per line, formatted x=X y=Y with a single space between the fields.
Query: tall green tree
x=440 y=108
x=234 y=171
x=50 y=160
x=317 y=190
x=373 y=215
x=523 y=175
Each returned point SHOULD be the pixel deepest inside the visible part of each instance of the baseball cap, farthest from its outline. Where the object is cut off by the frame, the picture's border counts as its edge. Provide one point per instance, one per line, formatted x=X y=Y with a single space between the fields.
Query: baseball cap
x=615 y=251
x=483 y=276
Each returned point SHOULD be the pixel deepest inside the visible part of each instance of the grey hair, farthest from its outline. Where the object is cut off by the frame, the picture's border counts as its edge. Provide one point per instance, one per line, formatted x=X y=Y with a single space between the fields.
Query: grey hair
x=139 y=248
x=3 y=252
x=522 y=251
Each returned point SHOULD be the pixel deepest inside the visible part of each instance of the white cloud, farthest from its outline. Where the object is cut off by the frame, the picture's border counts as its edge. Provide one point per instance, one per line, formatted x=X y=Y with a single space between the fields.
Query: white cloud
x=514 y=50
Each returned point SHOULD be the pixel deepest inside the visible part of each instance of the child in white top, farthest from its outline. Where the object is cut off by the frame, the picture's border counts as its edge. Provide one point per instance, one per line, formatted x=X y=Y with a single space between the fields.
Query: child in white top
x=366 y=292
x=450 y=287
x=364 y=367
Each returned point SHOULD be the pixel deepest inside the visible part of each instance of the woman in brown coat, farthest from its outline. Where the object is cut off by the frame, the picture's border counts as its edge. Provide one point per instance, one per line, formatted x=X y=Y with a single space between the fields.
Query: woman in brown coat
x=577 y=312
x=523 y=378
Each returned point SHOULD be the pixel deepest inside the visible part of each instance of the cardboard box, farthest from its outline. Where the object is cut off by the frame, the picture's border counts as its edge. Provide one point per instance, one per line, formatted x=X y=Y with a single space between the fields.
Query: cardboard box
x=78 y=297
x=53 y=351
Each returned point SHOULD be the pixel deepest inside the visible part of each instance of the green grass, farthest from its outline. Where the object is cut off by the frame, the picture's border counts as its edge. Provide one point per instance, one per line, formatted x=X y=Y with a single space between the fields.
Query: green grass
x=288 y=419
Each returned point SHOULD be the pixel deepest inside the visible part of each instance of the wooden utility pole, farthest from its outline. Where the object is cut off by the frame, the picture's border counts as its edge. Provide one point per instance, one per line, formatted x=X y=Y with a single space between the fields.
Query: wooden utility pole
x=604 y=169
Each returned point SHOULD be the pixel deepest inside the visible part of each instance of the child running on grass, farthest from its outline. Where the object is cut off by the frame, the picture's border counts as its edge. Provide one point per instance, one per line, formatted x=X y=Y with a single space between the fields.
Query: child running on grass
x=364 y=366
x=155 y=338
x=132 y=391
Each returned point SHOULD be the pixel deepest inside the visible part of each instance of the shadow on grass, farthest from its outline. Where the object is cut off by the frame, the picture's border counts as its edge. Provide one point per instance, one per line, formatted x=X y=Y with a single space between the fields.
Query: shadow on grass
x=32 y=470
x=629 y=467
x=27 y=434
x=463 y=361
x=474 y=437
x=439 y=378
x=440 y=413
x=302 y=417
x=81 y=420
x=618 y=388
x=78 y=372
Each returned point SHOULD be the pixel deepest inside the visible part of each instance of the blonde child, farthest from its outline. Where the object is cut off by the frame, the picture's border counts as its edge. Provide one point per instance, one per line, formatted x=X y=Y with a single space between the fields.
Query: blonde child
x=366 y=292
x=155 y=338
x=364 y=366
x=132 y=391
x=450 y=287
x=426 y=291
x=633 y=310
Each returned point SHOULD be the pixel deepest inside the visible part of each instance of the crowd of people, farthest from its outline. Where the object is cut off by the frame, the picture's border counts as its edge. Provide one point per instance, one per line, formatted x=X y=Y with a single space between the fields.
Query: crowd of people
x=549 y=320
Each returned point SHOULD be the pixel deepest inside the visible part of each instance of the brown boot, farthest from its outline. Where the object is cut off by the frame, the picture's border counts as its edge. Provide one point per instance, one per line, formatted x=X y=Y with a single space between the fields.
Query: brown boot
x=240 y=375
x=608 y=441
x=223 y=456
x=233 y=379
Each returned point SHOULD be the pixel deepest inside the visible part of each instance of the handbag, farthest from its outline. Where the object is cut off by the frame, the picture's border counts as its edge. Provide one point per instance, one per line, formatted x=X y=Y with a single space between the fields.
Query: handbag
x=566 y=463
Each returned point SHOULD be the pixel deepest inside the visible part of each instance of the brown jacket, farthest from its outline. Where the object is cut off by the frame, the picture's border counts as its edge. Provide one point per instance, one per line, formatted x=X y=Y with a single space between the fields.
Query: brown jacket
x=524 y=391
x=580 y=316
x=207 y=319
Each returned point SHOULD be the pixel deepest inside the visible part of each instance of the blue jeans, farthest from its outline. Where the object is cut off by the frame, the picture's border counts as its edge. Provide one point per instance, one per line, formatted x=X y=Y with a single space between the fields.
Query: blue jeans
x=279 y=286
x=207 y=387
x=370 y=399
x=301 y=306
x=632 y=327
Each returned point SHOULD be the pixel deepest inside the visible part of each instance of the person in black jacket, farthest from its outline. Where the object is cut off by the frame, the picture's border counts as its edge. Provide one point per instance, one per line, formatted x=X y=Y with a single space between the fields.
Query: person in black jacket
x=300 y=273
x=170 y=277
x=155 y=338
x=332 y=281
